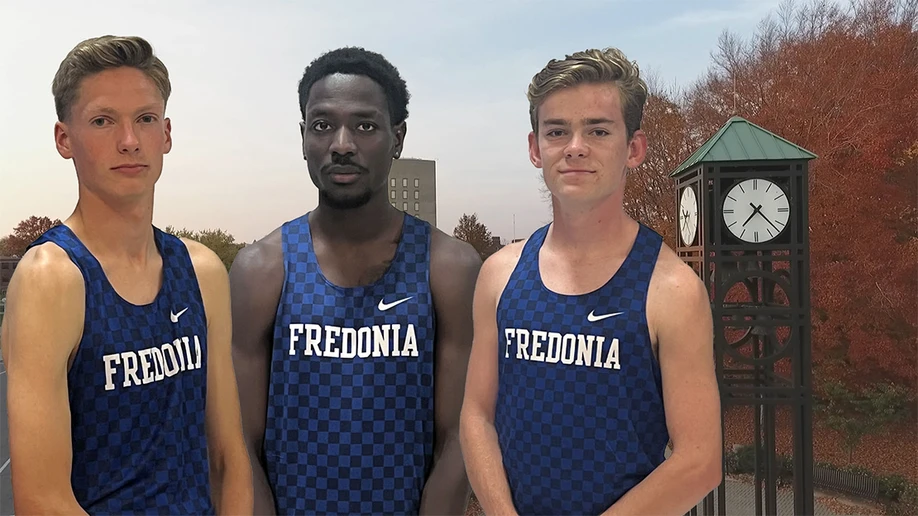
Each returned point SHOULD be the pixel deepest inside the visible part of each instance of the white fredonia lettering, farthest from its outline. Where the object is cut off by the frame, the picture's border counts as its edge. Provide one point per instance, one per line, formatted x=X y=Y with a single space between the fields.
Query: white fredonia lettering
x=385 y=340
x=154 y=364
x=568 y=348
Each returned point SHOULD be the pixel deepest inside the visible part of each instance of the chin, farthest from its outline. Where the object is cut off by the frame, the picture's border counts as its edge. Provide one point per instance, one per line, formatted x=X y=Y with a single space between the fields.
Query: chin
x=341 y=201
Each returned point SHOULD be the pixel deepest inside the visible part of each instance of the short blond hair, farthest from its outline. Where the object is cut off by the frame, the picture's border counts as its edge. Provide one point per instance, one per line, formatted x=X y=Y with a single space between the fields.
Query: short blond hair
x=95 y=55
x=592 y=66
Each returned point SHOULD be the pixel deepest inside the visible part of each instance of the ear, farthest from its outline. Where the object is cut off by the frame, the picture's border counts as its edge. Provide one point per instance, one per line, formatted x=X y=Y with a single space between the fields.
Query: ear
x=167 y=128
x=303 y=137
x=400 y=131
x=637 y=149
x=62 y=140
x=535 y=154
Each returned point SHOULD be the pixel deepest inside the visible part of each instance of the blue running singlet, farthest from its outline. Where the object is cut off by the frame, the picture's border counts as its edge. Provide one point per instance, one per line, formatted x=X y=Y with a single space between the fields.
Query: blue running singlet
x=137 y=388
x=579 y=413
x=350 y=417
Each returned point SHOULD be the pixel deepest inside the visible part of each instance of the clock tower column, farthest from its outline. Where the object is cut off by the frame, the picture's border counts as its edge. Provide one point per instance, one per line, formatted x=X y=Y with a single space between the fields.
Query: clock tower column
x=743 y=227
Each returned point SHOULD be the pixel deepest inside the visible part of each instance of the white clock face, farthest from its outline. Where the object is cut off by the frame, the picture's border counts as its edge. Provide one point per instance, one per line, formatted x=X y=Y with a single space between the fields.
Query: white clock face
x=688 y=216
x=756 y=210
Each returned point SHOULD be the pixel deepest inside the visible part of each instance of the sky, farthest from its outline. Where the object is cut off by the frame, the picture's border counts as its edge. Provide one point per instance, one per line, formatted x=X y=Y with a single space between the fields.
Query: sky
x=236 y=161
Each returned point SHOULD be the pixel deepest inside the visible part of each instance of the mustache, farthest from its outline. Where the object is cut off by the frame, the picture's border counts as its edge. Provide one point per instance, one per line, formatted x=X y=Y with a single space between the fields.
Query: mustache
x=343 y=162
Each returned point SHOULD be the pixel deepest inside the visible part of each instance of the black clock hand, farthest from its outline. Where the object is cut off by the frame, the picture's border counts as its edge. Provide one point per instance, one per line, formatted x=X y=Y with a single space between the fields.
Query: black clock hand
x=754 y=211
x=766 y=219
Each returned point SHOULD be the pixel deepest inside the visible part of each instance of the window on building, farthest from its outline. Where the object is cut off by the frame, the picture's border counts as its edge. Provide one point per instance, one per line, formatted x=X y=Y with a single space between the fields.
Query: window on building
x=404 y=194
x=416 y=195
x=392 y=194
x=416 y=182
x=417 y=206
x=404 y=206
x=392 y=182
x=405 y=181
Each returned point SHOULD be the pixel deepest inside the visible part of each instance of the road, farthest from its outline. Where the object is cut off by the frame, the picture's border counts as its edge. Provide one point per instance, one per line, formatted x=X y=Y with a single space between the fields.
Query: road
x=6 y=489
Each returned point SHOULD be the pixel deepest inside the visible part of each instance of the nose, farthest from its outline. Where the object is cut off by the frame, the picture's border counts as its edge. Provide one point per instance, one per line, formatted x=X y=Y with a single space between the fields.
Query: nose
x=343 y=143
x=127 y=140
x=576 y=147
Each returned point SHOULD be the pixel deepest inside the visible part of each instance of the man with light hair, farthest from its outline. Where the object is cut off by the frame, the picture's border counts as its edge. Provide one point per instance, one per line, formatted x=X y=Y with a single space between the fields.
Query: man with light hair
x=116 y=340
x=593 y=341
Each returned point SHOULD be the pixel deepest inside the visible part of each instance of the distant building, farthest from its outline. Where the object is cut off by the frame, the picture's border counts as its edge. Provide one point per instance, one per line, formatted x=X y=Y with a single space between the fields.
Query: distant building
x=495 y=243
x=7 y=266
x=413 y=188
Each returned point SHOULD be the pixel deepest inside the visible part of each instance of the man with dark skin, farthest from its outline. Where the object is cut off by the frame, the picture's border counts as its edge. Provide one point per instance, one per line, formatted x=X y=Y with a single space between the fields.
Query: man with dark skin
x=353 y=322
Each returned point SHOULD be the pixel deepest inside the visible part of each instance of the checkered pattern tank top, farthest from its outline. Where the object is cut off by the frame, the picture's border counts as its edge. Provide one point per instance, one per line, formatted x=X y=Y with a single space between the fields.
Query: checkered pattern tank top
x=350 y=409
x=137 y=388
x=579 y=413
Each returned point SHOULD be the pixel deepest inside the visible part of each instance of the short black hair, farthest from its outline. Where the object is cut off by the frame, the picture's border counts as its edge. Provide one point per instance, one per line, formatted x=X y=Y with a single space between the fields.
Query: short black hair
x=359 y=61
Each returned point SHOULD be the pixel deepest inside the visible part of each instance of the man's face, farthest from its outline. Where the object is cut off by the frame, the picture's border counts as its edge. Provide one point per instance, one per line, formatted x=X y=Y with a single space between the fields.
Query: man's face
x=348 y=139
x=582 y=145
x=116 y=133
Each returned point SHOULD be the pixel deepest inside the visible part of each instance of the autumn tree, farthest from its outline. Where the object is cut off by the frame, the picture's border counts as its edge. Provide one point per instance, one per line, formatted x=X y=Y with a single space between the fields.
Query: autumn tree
x=217 y=240
x=475 y=233
x=842 y=83
x=26 y=232
x=649 y=191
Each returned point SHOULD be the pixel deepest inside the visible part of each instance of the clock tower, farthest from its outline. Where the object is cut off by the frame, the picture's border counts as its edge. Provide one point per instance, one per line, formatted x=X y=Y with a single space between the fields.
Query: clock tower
x=743 y=227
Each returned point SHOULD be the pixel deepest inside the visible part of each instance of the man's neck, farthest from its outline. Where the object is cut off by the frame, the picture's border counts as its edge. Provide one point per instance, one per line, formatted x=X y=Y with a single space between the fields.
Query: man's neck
x=355 y=225
x=117 y=231
x=588 y=232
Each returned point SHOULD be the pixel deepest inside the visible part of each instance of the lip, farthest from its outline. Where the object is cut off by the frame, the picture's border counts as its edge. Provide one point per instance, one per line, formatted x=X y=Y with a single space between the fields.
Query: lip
x=576 y=171
x=130 y=168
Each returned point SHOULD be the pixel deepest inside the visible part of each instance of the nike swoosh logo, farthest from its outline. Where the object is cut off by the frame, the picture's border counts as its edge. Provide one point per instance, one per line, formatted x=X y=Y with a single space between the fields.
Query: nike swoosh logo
x=593 y=318
x=383 y=306
x=175 y=316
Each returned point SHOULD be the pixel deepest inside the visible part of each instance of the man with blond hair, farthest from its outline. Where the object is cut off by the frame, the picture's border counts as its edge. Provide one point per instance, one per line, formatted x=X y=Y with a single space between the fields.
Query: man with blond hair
x=592 y=339
x=116 y=340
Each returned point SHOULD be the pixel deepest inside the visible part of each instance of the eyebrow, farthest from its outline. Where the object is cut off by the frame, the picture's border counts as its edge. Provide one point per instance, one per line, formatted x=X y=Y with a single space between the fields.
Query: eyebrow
x=110 y=111
x=586 y=121
x=366 y=113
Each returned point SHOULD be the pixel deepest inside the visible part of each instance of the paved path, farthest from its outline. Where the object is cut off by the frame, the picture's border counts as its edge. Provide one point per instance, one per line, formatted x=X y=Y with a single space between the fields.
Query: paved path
x=6 y=489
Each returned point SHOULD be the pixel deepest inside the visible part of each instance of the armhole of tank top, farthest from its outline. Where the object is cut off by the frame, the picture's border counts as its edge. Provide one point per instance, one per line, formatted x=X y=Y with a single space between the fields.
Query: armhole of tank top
x=516 y=268
x=74 y=355
x=285 y=275
x=654 y=350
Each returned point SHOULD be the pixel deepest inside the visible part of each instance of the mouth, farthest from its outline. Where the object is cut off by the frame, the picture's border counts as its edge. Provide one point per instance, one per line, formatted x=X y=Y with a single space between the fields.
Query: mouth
x=130 y=168
x=344 y=174
x=575 y=171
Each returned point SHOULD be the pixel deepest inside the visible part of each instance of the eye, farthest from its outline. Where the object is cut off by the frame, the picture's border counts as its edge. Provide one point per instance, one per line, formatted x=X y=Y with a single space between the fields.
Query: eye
x=601 y=132
x=366 y=127
x=554 y=133
x=148 y=119
x=98 y=122
x=320 y=126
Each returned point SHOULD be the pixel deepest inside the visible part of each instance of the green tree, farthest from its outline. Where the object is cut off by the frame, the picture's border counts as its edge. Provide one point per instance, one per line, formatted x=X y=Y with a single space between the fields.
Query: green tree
x=217 y=240
x=477 y=234
x=26 y=232
x=855 y=414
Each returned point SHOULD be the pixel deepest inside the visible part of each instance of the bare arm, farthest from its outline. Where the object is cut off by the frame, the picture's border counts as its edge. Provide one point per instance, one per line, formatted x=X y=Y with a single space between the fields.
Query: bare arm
x=230 y=471
x=256 y=279
x=41 y=329
x=679 y=309
x=454 y=268
x=479 y=438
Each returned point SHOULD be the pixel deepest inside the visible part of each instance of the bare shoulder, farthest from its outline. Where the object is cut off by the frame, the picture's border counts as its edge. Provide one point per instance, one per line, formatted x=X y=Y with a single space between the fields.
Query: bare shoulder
x=45 y=272
x=207 y=264
x=677 y=295
x=260 y=261
x=496 y=270
x=674 y=280
x=45 y=301
x=451 y=254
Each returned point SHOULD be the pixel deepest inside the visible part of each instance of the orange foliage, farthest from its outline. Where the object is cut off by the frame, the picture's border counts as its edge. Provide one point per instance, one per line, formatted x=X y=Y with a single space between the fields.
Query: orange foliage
x=844 y=85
